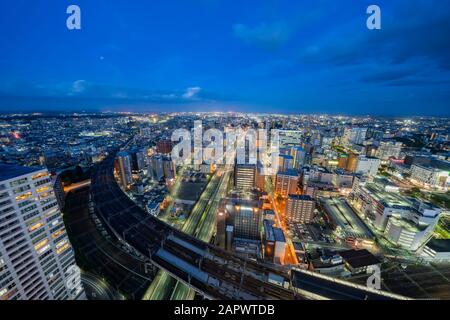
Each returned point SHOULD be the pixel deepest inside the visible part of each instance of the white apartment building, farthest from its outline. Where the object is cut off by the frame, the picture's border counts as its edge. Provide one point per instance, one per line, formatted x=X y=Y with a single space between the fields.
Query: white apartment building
x=286 y=183
x=405 y=222
x=354 y=136
x=388 y=149
x=429 y=176
x=367 y=165
x=36 y=259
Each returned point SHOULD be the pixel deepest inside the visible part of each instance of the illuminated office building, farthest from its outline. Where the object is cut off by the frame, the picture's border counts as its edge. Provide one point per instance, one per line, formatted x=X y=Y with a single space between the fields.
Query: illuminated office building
x=238 y=218
x=244 y=176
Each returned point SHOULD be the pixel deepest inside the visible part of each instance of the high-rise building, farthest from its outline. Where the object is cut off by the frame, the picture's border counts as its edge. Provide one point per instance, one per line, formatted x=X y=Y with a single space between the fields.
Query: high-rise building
x=164 y=146
x=352 y=162
x=138 y=161
x=285 y=162
x=357 y=135
x=287 y=182
x=388 y=149
x=161 y=166
x=299 y=208
x=156 y=167
x=169 y=168
x=49 y=159
x=244 y=176
x=299 y=156
x=123 y=162
x=238 y=218
x=36 y=259
x=59 y=191
x=429 y=176
x=347 y=161
x=367 y=165
x=260 y=180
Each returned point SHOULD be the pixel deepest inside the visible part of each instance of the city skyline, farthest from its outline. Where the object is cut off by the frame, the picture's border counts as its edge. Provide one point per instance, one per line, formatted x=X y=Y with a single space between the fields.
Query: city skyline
x=203 y=151
x=293 y=57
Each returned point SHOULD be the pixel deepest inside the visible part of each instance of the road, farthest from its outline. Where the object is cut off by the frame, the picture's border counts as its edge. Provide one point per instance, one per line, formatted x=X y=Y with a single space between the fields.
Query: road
x=290 y=256
x=204 y=231
x=162 y=286
x=98 y=289
x=76 y=186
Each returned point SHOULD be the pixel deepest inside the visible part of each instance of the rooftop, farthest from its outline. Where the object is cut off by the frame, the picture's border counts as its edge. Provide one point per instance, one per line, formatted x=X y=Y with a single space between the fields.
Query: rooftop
x=8 y=171
x=388 y=199
x=439 y=245
x=190 y=191
x=289 y=172
x=300 y=197
x=359 y=258
x=279 y=235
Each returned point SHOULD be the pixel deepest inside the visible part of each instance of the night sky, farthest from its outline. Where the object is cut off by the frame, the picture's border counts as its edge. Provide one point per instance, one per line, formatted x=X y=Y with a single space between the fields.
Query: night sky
x=213 y=55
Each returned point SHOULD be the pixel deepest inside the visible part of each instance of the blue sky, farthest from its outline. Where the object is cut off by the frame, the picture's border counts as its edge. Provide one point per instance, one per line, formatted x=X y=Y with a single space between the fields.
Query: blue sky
x=269 y=56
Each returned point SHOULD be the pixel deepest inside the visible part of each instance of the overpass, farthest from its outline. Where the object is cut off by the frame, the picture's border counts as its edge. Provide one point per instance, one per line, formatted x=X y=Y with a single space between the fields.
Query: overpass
x=209 y=270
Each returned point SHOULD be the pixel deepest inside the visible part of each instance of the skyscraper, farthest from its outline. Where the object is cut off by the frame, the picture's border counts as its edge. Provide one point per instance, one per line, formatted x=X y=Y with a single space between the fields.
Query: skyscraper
x=124 y=168
x=299 y=155
x=238 y=218
x=36 y=259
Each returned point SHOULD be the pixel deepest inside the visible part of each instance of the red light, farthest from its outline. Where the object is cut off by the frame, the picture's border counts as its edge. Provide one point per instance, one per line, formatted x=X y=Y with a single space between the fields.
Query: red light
x=16 y=135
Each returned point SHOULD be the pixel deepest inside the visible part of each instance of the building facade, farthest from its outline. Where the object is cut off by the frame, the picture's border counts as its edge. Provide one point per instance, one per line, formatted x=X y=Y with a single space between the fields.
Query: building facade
x=244 y=176
x=299 y=209
x=36 y=259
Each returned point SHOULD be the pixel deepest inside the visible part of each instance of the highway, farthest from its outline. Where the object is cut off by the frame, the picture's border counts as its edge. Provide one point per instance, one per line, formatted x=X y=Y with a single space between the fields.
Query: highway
x=209 y=270
x=101 y=256
x=163 y=285
x=77 y=186
x=204 y=231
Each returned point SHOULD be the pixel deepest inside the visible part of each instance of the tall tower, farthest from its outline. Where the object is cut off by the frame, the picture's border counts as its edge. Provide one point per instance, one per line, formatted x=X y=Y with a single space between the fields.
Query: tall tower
x=124 y=168
x=36 y=259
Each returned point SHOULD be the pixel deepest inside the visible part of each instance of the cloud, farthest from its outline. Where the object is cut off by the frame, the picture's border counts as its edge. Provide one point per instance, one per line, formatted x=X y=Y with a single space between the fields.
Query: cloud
x=388 y=75
x=78 y=86
x=191 y=92
x=268 y=36
x=403 y=38
x=82 y=89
